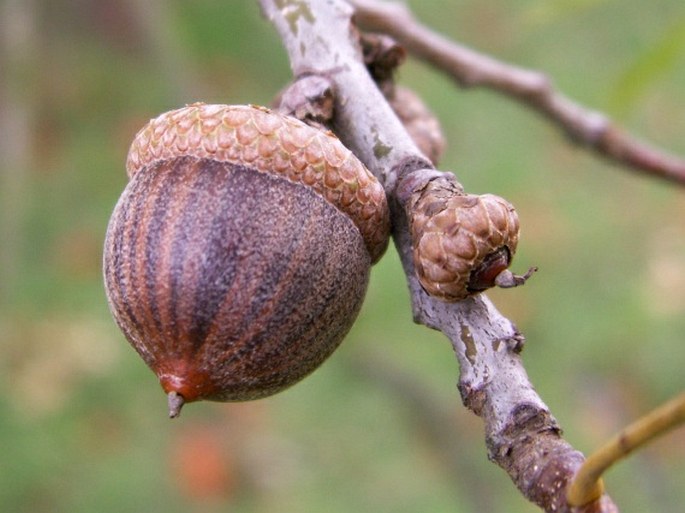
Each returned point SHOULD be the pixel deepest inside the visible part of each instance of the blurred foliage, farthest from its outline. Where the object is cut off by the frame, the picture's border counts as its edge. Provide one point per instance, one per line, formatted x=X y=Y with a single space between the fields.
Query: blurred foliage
x=380 y=427
x=656 y=60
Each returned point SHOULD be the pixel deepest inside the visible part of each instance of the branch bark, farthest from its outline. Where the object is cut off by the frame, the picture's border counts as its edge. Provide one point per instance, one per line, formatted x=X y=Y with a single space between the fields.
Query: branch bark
x=522 y=435
x=590 y=129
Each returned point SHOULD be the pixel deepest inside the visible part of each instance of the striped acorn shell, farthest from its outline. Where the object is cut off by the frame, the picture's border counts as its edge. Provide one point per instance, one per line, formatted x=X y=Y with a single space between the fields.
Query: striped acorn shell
x=238 y=256
x=270 y=143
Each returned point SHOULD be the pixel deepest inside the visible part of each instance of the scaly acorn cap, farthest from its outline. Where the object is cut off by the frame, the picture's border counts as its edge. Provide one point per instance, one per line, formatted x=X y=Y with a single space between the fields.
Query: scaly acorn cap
x=462 y=242
x=270 y=143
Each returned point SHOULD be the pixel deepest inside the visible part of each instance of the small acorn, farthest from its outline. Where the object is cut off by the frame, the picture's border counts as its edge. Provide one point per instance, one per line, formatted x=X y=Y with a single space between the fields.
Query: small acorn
x=462 y=243
x=421 y=123
x=238 y=256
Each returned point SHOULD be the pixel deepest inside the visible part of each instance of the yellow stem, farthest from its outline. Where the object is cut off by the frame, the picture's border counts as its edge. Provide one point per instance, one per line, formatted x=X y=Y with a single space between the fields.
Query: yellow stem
x=587 y=485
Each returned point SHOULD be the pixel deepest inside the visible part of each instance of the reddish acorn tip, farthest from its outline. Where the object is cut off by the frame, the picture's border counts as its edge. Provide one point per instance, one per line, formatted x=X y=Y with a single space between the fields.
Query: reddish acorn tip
x=176 y=402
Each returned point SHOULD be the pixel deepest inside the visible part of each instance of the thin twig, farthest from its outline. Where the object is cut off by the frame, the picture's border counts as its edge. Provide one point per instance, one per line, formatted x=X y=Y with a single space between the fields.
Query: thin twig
x=469 y=68
x=587 y=485
x=522 y=435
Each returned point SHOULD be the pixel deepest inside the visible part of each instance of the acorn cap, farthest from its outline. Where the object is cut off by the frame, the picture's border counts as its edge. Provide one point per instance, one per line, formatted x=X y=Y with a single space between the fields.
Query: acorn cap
x=462 y=242
x=269 y=142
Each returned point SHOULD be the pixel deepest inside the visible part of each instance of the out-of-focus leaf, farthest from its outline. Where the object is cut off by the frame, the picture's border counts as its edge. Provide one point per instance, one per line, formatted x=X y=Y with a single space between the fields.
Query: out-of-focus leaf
x=648 y=67
x=544 y=13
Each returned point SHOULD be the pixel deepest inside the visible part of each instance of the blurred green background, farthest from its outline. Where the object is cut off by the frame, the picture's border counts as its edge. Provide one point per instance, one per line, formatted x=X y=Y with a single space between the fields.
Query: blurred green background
x=380 y=427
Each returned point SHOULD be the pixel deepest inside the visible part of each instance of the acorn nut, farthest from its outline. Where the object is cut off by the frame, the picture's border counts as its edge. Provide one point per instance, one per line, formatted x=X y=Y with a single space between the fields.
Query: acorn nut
x=238 y=256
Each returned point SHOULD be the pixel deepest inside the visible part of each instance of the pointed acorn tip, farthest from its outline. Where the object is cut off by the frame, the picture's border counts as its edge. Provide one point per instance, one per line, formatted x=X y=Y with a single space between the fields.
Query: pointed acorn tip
x=176 y=402
x=506 y=279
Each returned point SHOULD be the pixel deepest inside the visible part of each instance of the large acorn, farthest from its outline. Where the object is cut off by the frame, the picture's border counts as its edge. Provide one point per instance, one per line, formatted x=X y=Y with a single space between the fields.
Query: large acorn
x=238 y=256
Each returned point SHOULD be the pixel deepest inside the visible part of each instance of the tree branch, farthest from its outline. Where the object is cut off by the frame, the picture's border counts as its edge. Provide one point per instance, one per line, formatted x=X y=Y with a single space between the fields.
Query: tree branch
x=469 y=68
x=522 y=435
x=588 y=481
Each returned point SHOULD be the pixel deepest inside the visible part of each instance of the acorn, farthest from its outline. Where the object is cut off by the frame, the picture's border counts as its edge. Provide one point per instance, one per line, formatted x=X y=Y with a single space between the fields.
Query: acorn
x=462 y=243
x=421 y=123
x=238 y=256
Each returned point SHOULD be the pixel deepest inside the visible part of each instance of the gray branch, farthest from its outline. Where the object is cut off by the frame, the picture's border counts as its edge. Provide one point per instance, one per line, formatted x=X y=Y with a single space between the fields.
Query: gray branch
x=522 y=435
x=469 y=68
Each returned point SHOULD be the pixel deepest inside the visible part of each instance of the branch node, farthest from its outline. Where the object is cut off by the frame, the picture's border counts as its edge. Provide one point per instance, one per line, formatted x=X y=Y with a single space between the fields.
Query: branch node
x=309 y=98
